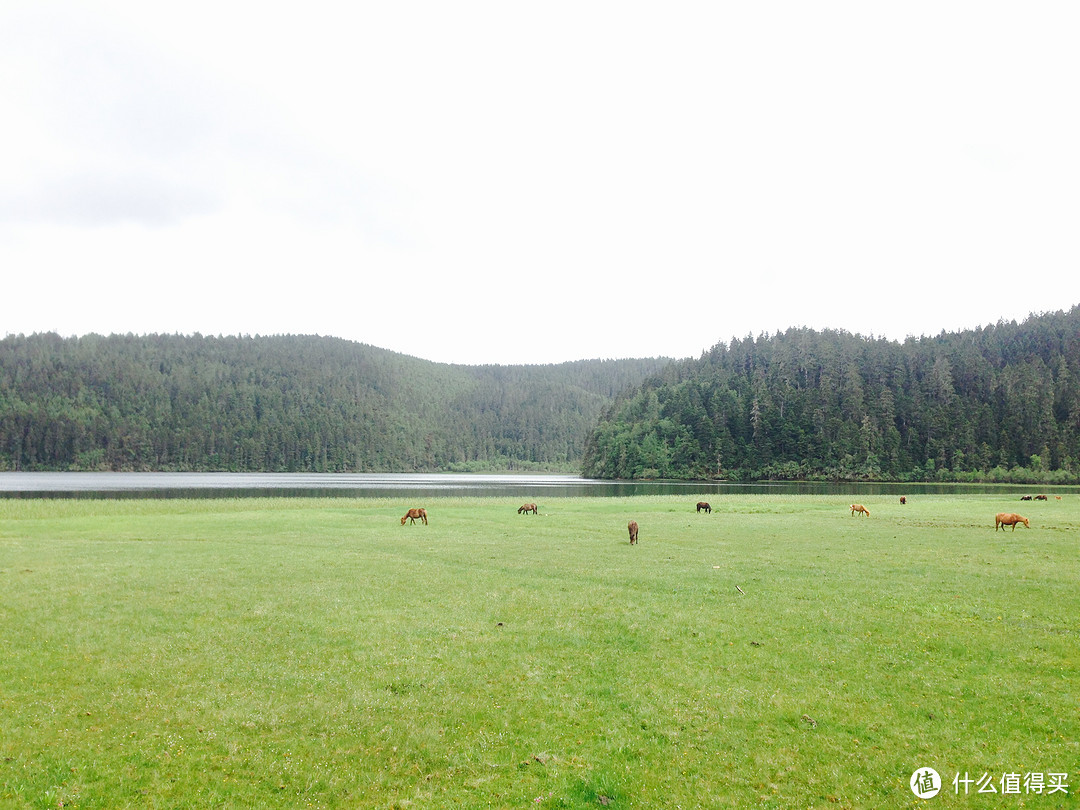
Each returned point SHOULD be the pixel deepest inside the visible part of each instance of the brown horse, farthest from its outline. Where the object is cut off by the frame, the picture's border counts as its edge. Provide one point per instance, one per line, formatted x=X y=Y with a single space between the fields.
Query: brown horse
x=1040 y=497
x=525 y=508
x=858 y=507
x=903 y=500
x=1025 y=497
x=632 y=526
x=702 y=505
x=1004 y=519
x=413 y=514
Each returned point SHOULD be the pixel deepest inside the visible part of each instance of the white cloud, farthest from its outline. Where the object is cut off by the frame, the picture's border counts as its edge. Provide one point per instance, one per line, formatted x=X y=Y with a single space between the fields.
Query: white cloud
x=490 y=182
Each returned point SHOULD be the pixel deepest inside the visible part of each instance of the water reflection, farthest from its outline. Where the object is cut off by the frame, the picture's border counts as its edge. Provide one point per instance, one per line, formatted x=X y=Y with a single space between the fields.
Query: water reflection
x=416 y=485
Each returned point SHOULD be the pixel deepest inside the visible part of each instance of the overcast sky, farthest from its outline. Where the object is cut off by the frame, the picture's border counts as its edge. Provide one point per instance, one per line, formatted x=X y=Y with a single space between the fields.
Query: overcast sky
x=510 y=182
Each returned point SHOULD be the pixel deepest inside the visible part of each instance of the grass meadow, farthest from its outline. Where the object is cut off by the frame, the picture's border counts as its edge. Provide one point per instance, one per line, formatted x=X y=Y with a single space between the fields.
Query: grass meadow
x=777 y=653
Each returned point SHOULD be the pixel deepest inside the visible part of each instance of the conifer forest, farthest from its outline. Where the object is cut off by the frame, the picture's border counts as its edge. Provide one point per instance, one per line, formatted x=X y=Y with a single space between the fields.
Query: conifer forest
x=994 y=403
x=998 y=403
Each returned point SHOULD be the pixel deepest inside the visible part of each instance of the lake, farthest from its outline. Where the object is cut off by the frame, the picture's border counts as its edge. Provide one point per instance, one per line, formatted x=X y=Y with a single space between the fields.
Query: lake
x=420 y=485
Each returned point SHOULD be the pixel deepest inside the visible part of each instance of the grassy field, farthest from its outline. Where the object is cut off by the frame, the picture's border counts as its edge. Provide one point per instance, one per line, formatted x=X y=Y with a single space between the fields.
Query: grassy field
x=777 y=653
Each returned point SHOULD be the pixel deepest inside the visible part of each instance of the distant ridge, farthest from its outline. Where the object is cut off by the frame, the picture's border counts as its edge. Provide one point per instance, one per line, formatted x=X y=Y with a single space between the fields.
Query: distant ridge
x=289 y=403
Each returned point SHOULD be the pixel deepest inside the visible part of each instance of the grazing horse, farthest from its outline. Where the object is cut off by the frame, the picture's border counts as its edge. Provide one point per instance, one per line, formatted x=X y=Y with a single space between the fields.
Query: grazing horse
x=702 y=505
x=413 y=514
x=903 y=500
x=525 y=508
x=1004 y=519
x=1025 y=497
x=1040 y=497
x=858 y=507
x=632 y=526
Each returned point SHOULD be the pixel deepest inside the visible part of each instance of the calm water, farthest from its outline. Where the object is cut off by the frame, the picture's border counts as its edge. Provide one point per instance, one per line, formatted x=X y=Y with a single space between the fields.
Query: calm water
x=393 y=485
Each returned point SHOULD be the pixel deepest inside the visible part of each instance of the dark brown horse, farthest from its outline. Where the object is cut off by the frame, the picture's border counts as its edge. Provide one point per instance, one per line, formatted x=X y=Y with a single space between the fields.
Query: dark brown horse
x=1025 y=497
x=903 y=500
x=525 y=508
x=1040 y=497
x=702 y=505
x=1004 y=519
x=632 y=526
x=413 y=515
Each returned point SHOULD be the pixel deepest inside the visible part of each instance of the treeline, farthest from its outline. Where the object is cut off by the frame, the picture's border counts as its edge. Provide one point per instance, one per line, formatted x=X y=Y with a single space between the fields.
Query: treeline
x=289 y=404
x=1000 y=403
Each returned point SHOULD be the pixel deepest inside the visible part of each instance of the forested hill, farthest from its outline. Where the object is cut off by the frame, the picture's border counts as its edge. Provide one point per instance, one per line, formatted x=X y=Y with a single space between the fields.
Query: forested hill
x=1000 y=403
x=289 y=403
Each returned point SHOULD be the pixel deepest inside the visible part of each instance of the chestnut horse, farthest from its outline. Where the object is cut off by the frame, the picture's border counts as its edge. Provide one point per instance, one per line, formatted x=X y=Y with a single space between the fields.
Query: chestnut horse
x=702 y=505
x=858 y=507
x=903 y=500
x=632 y=526
x=525 y=508
x=1004 y=519
x=412 y=516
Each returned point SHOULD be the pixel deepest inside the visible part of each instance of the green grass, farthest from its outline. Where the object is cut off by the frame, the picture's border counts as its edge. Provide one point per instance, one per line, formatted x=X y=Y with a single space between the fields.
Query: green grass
x=314 y=652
